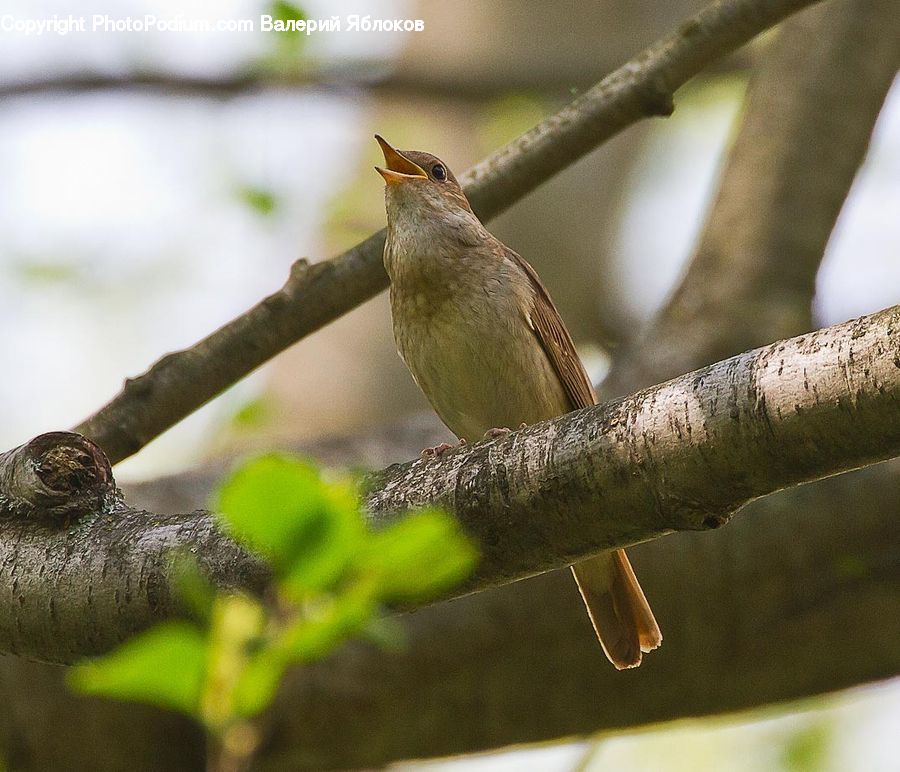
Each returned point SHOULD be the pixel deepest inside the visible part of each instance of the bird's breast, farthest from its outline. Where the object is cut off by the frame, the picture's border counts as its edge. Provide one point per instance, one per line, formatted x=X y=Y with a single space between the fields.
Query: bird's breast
x=469 y=348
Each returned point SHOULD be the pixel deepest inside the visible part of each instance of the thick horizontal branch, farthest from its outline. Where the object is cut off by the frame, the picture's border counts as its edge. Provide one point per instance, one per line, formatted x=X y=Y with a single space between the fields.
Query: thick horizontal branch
x=684 y=455
x=183 y=381
x=745 y=610
x=795 y=598
x=680 y=456
x=73 y=589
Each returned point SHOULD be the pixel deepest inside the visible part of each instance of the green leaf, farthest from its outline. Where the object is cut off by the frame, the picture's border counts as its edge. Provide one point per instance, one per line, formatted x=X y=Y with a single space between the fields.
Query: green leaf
x=276 y=506
x=258 y=683
x=253 y=414
x=262 y=201
x=313 y=637
x=289 y=42
x=284 y=11
x=339 y=543
x=308 y=529
x=164 y=666
x=193 y=587
x=419 y=557
x=808 y=748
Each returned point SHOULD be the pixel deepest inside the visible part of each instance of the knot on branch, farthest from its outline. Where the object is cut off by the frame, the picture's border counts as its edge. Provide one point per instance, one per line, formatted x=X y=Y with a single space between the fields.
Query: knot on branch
x=56 y=476
x=715 y=521
x=656 y=98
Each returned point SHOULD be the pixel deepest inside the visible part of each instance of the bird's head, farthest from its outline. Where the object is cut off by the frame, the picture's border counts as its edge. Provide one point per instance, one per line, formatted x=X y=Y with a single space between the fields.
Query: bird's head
x=422 y=193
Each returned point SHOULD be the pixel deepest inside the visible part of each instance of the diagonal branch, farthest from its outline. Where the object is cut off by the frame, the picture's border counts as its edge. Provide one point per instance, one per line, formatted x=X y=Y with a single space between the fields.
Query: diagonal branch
x=313 y=296
x=809 y=113
x=684 y=455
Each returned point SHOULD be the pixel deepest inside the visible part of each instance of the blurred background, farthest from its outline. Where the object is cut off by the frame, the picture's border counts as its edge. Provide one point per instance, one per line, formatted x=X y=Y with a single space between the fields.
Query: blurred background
x=154 y=185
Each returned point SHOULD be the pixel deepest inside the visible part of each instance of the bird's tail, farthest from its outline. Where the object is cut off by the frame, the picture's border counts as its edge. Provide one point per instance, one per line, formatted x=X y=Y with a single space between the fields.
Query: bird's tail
x=617 y=607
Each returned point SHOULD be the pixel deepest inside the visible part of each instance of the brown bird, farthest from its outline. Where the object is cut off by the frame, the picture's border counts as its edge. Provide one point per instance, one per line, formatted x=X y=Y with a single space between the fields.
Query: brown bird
x=481 y=336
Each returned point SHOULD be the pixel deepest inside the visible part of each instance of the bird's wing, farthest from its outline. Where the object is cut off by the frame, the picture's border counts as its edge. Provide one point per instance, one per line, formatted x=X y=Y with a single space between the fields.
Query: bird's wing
x=551 y=332
x=616 y=604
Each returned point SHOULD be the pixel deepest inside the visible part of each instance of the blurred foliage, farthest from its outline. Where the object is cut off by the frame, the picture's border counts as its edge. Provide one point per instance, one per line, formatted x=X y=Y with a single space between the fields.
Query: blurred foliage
x=502 y=120
x=132 y=671
x=46 y=271
x=807 y=750
x=289 y=46
x=253 y=414
x=354 y=212
x=283 y=11
x=332 y=577
x=260 y=200
x=851 y=567
x=772 y=739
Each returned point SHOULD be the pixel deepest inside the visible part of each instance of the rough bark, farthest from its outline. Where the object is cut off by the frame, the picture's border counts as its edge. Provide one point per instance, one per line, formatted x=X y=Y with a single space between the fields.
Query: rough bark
x=81 y=574
x=55 y=477
x=684 y=455
x=681 y=456
x=183 y=381
x=746 y=609
x=796 y=597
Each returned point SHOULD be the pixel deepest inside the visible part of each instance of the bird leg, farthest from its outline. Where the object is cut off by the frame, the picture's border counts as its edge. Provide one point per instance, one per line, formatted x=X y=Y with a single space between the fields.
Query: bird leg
x=493 y=434
x=439 y=450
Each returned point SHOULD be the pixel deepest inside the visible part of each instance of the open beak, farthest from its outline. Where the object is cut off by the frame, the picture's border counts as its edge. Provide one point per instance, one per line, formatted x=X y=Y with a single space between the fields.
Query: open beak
x=399 y=168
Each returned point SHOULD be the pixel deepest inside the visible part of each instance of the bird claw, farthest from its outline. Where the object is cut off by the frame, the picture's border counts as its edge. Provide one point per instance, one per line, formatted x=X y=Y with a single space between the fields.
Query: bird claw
x=439 y=450
x=493 y=434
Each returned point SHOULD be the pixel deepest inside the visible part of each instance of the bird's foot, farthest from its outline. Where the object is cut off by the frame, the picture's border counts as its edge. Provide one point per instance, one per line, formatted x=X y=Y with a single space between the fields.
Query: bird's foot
x=439 y=450
x=493 y=434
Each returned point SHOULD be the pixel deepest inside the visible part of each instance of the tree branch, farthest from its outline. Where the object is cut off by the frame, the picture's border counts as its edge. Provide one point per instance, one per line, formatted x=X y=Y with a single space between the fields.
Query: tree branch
x=808 y=122
x=183 y=381
x=684 y=455
x=797 y=597
x=681 y=456
x=58 y=476
x=79 y=570
x=373 y=76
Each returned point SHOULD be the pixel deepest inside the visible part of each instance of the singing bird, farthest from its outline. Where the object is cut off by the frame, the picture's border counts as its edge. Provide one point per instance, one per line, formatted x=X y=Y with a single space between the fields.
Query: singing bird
x=481 y=336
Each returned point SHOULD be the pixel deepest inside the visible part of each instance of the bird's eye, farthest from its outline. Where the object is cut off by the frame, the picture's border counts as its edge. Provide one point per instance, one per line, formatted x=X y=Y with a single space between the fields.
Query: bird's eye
x=439 y=172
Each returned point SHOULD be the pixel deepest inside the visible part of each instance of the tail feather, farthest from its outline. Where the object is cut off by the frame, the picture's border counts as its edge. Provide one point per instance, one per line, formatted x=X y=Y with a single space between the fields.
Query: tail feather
x=618 y=609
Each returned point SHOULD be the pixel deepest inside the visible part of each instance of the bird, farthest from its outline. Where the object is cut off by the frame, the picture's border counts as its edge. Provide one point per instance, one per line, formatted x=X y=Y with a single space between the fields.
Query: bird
x=483 y=340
